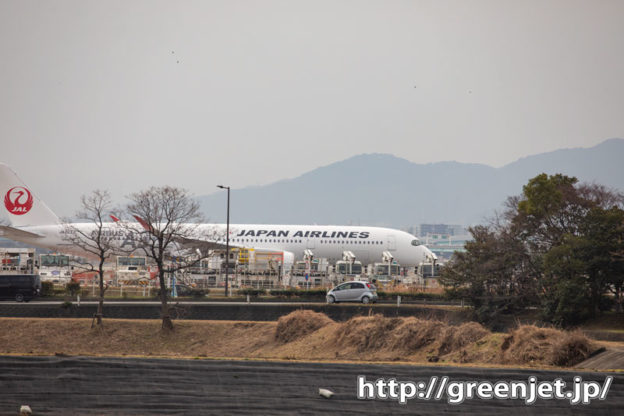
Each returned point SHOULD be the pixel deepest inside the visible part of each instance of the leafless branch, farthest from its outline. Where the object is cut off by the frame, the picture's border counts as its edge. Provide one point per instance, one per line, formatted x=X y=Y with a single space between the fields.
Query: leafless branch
x=167 y=228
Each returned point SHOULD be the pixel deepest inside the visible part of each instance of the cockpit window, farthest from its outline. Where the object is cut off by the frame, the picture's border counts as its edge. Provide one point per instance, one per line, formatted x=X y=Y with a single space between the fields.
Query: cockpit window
x=415 y=242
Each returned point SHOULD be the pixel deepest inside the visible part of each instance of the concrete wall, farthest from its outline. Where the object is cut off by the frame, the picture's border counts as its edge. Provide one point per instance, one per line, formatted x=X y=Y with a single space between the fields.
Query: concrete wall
x=225 y=311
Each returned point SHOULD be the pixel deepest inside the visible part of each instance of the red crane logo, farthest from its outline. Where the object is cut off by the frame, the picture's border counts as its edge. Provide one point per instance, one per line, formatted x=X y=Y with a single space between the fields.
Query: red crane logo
x=18 y=201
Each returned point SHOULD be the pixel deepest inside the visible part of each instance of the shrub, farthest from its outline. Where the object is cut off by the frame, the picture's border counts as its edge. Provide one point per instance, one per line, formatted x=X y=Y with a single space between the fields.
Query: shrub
x=199 y=293
x=312 y=293
x=251 y=292
x=411 y=295
x=47 y=289
x=298 y=293
x=282 y=293
x=72 y=288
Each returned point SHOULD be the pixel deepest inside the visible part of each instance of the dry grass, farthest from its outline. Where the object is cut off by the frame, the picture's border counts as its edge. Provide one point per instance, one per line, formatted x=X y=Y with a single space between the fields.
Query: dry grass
x=365 y=333
x=132 y=337
x=406 y=335
x=298 y=324
x=413 y=334
x=529 y=344
x=300 y=335
x=570 y=349
x=456 y=338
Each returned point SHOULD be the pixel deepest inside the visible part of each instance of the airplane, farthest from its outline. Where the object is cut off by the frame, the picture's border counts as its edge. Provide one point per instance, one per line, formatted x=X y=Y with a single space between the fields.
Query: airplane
x=32 y=222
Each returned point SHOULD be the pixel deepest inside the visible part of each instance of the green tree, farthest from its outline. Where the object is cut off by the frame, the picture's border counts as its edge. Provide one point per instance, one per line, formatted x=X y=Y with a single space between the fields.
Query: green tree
x=493 y=274
x=573 y=231
x=559 y=245
x=548 y=209
x=564 y=286
x=603 y=238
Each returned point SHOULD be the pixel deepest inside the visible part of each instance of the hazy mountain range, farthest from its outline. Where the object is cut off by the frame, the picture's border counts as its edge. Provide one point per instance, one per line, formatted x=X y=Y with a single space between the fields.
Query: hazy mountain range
x=382 y=189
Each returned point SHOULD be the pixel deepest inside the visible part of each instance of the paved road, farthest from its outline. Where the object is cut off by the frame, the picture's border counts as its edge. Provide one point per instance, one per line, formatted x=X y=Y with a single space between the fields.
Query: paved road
x=75 y=385
x=611 y=359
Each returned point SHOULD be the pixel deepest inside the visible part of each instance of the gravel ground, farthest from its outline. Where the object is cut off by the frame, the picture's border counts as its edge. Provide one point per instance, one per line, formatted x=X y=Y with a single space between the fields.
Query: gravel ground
x=119 y=386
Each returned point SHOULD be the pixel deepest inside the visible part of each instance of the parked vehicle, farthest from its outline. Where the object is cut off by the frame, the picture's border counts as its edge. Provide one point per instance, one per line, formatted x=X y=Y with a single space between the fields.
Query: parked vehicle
x=21 y=287
x=353 y=292
x=183 y=290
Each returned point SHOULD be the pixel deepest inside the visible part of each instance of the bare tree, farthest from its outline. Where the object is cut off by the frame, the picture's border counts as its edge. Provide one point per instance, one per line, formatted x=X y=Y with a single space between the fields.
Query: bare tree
x=602 y=196
x=168 y=226
x=96 y=238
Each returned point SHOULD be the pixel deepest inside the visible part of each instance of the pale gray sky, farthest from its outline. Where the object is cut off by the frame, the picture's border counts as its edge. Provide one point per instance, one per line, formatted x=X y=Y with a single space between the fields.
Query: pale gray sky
x=121 y=95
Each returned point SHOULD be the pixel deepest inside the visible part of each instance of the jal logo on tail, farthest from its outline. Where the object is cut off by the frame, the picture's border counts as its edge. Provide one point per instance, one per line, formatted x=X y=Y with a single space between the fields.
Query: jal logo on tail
x=18 y=201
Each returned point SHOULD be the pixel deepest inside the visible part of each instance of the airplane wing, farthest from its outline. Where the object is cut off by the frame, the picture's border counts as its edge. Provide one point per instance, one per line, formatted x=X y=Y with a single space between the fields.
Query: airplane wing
x=16 y=233
x=203 y=244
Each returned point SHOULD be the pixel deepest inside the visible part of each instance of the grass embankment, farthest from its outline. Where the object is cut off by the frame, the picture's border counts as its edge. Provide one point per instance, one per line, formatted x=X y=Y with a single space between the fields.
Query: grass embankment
x=301 y=335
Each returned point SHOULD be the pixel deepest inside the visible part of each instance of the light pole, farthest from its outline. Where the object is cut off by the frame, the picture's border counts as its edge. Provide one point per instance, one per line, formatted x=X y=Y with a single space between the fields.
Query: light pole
x=227 y=240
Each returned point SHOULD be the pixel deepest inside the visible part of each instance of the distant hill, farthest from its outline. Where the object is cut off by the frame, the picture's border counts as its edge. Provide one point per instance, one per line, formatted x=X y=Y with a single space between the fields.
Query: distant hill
x=381 y=189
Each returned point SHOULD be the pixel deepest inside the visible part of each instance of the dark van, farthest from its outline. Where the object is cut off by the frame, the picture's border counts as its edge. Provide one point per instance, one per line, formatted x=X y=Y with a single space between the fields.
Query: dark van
x=21 y=287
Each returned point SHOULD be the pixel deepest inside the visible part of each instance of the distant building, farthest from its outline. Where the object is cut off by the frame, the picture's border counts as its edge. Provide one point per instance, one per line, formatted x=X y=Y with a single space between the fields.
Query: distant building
x=440 y=229
x=442 y=239
x=445 y=245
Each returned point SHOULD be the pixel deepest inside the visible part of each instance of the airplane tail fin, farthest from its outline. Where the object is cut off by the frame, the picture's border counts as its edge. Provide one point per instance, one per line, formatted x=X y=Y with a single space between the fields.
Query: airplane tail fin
x=22 y=207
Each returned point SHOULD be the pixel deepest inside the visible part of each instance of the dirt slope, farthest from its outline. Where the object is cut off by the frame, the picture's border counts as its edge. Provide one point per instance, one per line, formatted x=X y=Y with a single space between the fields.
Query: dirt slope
x=301 y=335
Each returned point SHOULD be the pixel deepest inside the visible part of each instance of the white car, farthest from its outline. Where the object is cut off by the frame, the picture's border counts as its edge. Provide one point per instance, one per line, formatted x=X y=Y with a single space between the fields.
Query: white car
x=353 y=292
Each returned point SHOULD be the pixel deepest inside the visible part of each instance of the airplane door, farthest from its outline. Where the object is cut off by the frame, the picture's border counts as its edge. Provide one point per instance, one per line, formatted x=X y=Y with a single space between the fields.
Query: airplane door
x=310 y=243
x=391 y=243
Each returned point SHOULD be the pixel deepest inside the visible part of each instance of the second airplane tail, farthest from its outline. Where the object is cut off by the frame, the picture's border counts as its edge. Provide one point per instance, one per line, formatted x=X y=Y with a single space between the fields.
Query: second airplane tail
x=22 y=208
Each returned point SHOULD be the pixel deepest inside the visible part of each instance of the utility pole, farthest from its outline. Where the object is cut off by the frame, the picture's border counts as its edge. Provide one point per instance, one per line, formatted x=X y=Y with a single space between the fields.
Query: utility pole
x=227 y=240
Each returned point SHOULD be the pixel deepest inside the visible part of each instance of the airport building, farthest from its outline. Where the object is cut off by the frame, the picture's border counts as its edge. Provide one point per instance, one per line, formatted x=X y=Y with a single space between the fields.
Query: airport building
x=444 y=245
x=423 y=230
x=442 y=239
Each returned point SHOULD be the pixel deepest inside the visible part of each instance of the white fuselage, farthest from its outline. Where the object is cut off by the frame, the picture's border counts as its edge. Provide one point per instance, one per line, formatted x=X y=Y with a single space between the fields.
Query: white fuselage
x=325 y=241
x=29 y=217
